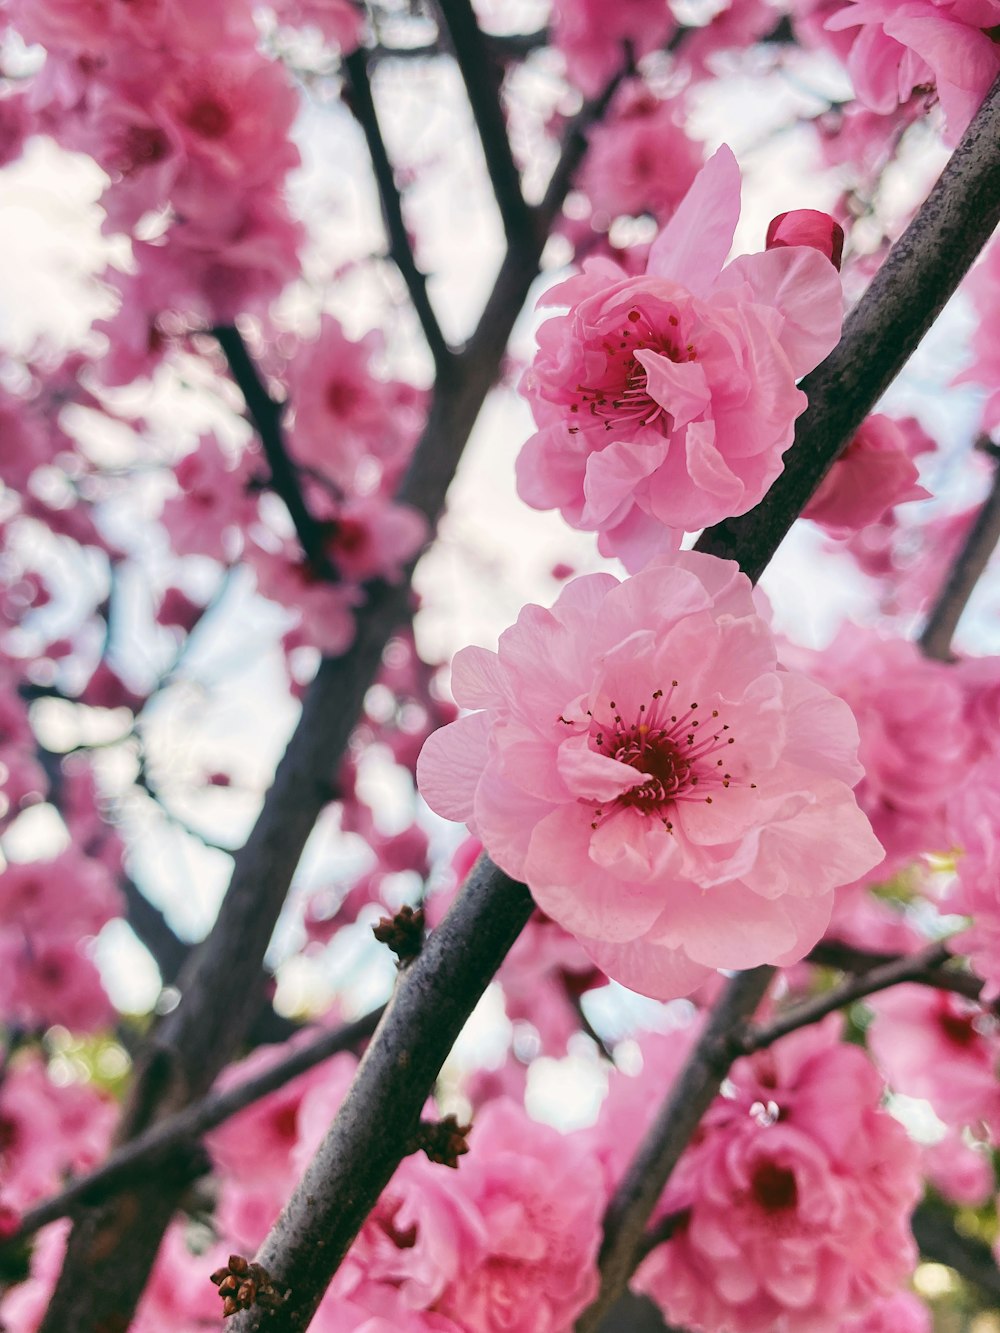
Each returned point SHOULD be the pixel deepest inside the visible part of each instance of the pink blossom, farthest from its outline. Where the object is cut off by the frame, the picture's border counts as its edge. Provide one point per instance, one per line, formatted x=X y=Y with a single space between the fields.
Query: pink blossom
x=902 y=47
x=940 y=1046
x=68 y=896
x=325 y=608
x=423 y=1233
x=593 y=37
x=974 y=816
x=639 y=159
x=808 y=226
x=961 y=1172
x=47 y=1131
x=915 y=741
x=900 y=1313
x=796 y=1197
x=16 y=124
x=374 y=538
x=584 y=775
x=212 y=503
x=50 y=981
x=734 y=27
x=344 y=414
x=540 y=1197
x=875 y=472
x=664 y=402
x=983 y=285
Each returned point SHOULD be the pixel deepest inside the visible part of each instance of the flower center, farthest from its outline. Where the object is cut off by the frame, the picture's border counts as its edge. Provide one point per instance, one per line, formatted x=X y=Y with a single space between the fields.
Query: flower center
x=623 y=399
x=774 y=1187
x=209 y=118
x=671 y=750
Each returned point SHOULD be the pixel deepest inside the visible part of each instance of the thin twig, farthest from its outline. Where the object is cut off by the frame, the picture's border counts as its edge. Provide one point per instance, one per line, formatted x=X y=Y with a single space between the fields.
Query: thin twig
x=911 y=967
x=364 y=1146
x=148 y=1152
x=922 y=271
x=968 y=567
x=483 y=89
x=266 y=414
x=832 y=953
x=362 y=104
x=693 y=1092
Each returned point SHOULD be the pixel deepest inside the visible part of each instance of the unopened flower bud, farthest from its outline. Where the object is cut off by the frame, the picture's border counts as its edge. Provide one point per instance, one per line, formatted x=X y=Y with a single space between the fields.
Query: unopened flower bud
x=808 y=226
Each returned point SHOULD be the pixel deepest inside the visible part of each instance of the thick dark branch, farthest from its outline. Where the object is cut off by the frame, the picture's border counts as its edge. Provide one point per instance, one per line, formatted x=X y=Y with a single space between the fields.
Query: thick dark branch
x=150 y=1150
x=972 y=1259
x=970 y=563
x=907 y=294
x=914 y=967
x=382 y=1108
x=362 y=104
x=482 y=81
x=693 y=1092
x=266 y=415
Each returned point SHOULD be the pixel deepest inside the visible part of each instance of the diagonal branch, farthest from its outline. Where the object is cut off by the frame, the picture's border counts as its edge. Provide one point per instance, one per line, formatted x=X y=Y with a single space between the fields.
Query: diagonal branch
x=695 y=1089
x=482 y=86
x=969 y=565
x=832 y=953
x=362 y=104
x=266 y=415
x=906 y=295
x=163 y=1140
x=911 y=967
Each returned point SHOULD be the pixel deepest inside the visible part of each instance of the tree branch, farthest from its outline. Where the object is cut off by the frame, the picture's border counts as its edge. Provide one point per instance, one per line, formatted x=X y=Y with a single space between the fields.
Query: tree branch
x=163 y=1140
x=968 y=567
x=913 y=967
x=693 y=1092
x=922 y=271
x=113 y=1247
x=266 y=414
x=362 y=104
x=832 y=953
x=363 y=1147
x=483 y=88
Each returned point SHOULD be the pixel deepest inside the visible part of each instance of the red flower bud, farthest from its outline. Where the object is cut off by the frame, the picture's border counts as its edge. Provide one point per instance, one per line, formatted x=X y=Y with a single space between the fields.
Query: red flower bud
x=807 y=226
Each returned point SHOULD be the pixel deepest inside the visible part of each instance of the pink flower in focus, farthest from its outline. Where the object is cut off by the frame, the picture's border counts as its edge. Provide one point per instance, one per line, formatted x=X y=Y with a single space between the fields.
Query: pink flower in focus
x=664 y=402
x=902 y=47
x=875 y=472
x=796 y=1196
x=808 y=226
x=541 y=1200
x=670 y=796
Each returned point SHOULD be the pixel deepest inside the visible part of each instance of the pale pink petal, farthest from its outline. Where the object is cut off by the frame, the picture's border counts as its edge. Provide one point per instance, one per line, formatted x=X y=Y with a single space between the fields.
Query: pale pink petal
x=695 y=243
x=450 y=765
